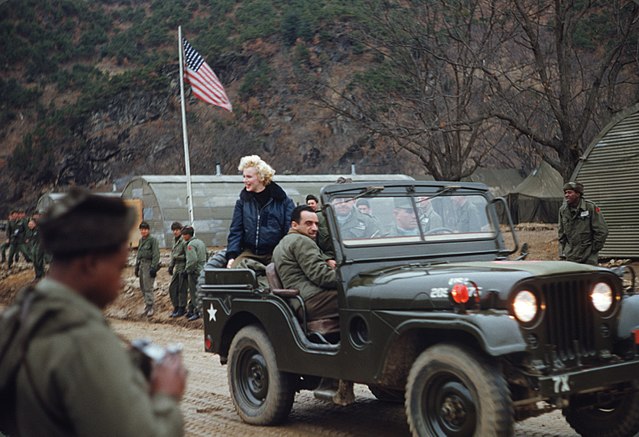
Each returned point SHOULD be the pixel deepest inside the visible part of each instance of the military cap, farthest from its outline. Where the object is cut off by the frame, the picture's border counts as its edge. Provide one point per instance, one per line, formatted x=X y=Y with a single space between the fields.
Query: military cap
x=82 y=222
x=176 y=225
x=364 y=202
x=574 y=186
x=403 y=203
x=188 y=230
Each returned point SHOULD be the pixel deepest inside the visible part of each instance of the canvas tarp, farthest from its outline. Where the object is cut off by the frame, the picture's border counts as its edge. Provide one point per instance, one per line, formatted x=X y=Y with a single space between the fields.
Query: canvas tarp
x=538 y=197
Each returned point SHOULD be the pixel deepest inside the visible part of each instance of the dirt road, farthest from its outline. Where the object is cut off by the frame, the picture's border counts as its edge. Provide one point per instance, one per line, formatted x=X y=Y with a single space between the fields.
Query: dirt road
x=208 y=409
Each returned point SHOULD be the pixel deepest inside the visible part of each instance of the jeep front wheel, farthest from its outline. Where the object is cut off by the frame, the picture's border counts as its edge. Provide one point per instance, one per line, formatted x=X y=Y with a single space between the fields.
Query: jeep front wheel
x=452 y=391
x=617 y=418
x=261 y=394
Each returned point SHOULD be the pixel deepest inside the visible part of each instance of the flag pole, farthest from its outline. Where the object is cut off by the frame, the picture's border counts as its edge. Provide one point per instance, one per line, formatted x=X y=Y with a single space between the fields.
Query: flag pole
x=187 y=163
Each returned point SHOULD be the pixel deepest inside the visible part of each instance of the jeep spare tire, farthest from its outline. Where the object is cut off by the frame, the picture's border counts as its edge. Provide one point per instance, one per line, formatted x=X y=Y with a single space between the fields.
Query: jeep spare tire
x=261 y=394
x=453 y=391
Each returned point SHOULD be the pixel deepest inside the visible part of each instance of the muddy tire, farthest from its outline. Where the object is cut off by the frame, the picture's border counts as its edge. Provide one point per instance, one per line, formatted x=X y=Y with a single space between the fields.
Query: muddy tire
x=453 y=391
x=619 y=418
x=261 y=394
x=386 y=394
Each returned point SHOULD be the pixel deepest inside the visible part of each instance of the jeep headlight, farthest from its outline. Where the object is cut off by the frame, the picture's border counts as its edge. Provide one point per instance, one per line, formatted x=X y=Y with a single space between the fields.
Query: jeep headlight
x=601 y=296
x=525 y=306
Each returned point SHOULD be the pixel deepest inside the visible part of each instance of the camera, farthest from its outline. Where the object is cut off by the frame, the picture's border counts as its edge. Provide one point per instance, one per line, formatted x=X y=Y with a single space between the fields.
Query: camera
x=146 y=353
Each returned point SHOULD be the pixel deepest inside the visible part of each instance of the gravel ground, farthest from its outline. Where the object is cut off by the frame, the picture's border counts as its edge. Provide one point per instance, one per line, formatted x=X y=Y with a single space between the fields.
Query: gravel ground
x=208 y=409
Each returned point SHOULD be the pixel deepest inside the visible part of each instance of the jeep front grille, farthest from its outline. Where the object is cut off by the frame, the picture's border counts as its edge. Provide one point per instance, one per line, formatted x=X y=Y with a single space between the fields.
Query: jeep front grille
x=569 y=319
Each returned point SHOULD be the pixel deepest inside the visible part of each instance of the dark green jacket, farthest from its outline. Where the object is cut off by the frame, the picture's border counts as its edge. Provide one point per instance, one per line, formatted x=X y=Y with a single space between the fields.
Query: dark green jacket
x=16 y=231
x=84 y=376
x=178 y=255
x=149 y=249
x=301 y=264
x=195 y=255
x=582 y=232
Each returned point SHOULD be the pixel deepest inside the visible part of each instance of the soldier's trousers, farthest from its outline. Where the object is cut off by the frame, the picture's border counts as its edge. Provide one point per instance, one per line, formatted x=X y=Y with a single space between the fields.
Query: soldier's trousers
x=37 y=256
x=18 y=248
x=146 y=281
x=178 y=289
x=194 y=302
x=3 y=249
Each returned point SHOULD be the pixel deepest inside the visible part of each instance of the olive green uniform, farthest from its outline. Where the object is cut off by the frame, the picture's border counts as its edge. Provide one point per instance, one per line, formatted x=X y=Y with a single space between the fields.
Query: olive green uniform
x=35 y=251
x=195 y=259
x=302 y=265
x=357 y=225
x=466 y=218
x=582 y=232
x=430 y=219
x=16 y=232
x=148 y=260
x=77 y=379
x=178 y=286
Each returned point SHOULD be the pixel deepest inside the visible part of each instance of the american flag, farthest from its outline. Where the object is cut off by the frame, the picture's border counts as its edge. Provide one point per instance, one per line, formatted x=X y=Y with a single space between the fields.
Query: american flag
x=205 y=84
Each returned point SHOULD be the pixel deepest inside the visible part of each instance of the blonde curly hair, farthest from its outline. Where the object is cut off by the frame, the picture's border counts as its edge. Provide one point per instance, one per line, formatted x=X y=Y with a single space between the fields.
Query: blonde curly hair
x=265 y=172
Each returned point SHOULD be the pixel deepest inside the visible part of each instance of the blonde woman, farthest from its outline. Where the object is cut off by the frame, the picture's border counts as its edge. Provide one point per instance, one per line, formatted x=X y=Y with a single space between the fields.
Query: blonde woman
x=262 y=214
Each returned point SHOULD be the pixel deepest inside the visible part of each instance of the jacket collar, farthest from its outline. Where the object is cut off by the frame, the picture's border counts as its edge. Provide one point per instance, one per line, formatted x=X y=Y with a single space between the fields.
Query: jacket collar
x=275 y=191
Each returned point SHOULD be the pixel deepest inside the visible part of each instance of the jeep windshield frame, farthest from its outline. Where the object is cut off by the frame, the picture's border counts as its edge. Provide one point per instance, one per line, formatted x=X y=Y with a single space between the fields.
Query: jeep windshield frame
x=429 y=221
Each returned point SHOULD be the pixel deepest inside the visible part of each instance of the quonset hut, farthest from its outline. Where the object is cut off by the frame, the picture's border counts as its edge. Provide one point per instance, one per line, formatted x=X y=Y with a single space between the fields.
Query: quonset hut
x=164 y=200
x=609 y=171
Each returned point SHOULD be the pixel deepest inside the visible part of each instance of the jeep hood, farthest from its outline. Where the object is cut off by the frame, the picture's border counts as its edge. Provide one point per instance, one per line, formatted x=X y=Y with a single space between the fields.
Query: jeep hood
x=411 y=286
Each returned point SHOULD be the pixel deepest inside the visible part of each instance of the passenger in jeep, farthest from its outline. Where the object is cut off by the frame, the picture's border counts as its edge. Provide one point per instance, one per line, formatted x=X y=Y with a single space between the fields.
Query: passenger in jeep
x=301 y=264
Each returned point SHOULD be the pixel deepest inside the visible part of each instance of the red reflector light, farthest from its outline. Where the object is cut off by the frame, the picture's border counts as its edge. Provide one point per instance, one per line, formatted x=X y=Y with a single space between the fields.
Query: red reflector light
x=459 y=293
x=208 y=344
x=636 y=332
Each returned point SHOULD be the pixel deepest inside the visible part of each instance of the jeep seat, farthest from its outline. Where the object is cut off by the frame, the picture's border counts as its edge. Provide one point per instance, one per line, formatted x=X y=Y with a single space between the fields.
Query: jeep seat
x=319 y=326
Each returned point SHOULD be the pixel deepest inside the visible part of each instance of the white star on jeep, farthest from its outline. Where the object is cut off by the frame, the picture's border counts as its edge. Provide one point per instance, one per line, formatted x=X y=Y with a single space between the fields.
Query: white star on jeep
x=212 y=312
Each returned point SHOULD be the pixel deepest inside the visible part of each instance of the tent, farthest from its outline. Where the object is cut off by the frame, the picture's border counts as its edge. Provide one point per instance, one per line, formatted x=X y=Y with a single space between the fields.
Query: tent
x=538 y=197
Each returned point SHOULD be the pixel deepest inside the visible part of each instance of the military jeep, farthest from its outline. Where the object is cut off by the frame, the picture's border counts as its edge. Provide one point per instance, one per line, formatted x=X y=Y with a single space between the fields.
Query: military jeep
x=434 y=314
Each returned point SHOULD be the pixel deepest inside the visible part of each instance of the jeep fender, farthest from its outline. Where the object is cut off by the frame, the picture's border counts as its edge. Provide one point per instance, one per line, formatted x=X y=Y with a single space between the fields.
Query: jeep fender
x=497 y=334
x=629 y=316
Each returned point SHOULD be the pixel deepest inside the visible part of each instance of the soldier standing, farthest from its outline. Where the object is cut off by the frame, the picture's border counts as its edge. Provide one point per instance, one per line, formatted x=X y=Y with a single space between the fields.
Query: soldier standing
x=582 y=227
x=178 y=286
x=5 y=243
x=16 y=231
x=35 y=248
x=195 y=259
x=147 y=265
x=72 y=374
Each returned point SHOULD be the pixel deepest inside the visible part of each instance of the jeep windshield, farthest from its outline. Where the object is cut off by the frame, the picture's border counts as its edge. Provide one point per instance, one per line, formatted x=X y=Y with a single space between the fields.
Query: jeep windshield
x=378 y=219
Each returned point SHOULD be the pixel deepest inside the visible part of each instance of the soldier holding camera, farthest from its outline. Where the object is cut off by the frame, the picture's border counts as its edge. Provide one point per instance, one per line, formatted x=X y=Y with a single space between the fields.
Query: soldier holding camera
x=72 y=374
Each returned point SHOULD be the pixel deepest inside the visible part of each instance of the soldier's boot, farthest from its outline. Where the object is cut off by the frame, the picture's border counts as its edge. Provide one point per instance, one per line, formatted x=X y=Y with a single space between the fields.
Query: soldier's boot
x=338 y=392
x=175 y=312
x=180 y=311
x=195 y=316
x=149 y=311
x=146 y=310
x=189 y=313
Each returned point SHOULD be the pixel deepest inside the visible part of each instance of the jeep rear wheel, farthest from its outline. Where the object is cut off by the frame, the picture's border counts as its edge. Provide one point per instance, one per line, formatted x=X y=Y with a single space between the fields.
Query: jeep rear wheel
x=618 y=418
x=262 y=395
x=455 y=392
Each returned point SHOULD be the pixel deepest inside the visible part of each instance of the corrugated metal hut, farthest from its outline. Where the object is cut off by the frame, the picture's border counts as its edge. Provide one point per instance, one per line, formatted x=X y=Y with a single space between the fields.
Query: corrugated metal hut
x=609 y=171
x=164 y=200
x=538 y=198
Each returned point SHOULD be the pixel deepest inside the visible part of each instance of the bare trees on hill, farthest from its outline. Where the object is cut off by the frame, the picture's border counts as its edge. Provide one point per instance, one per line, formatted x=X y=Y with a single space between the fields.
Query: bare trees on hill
x=455 y=82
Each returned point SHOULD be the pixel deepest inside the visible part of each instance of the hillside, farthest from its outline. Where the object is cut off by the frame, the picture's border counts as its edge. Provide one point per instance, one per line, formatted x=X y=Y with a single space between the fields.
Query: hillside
x=89 y=93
